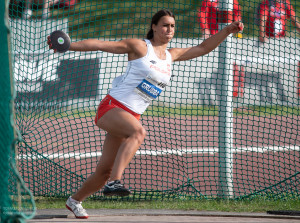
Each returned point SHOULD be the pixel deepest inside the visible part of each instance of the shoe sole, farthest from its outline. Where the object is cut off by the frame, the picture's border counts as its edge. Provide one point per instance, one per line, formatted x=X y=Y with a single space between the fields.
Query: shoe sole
x=81 y=217
x=120 y=194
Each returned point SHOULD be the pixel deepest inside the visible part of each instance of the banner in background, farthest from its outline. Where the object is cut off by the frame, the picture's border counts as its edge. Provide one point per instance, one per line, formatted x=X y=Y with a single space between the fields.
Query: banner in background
x=58 y=82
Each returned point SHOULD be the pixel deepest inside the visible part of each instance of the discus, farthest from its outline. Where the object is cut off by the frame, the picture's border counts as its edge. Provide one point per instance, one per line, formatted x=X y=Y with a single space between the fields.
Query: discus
x=60 y=41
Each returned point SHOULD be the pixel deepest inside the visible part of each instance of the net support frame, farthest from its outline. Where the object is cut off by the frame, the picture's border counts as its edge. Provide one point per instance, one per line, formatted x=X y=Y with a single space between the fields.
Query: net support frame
x=225 y=71
x=5 y=104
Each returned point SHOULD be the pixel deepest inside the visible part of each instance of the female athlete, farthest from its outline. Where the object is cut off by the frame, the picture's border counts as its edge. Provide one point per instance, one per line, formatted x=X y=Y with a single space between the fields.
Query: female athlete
x=148 y=72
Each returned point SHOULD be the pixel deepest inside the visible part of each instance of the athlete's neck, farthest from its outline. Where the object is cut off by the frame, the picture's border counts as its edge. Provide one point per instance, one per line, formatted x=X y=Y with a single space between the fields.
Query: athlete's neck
x=159 y=49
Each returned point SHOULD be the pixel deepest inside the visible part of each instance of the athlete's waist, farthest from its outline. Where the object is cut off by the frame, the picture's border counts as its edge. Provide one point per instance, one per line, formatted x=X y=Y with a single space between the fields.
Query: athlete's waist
x=131 y=100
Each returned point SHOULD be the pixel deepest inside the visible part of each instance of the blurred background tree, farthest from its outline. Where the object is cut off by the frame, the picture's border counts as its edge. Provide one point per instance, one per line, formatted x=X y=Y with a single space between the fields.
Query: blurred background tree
x=131 y=18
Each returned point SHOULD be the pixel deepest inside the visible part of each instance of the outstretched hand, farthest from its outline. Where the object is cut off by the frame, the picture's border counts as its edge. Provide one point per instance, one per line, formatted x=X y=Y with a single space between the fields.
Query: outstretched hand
x=50 y=44
x=235 y=27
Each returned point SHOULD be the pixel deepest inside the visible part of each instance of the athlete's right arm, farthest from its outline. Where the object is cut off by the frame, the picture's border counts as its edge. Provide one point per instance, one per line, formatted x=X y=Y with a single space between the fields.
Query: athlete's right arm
x=117 y=47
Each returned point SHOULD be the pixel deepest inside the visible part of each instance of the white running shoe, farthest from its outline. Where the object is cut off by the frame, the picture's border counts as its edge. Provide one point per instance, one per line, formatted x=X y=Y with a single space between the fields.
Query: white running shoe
x=76 y=208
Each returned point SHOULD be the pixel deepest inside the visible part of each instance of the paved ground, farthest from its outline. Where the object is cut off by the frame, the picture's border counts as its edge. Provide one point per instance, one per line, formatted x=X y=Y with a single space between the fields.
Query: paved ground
x=159 y=216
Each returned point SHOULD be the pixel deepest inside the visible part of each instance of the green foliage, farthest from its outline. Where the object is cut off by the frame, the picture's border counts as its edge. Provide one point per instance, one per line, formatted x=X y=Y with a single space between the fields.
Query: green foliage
x=121 y=19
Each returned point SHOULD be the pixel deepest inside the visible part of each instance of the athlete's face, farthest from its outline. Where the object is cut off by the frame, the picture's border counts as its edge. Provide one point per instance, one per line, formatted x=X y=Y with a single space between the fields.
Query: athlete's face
x=165 y=28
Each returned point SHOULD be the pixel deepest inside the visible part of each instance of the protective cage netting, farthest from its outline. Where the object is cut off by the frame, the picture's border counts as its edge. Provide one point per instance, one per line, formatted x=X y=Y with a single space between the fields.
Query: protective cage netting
x=57 y=95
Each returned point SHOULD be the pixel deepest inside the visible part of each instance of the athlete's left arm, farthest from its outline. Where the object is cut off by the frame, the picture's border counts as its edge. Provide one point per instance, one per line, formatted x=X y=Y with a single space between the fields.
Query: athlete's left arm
x=208 y=45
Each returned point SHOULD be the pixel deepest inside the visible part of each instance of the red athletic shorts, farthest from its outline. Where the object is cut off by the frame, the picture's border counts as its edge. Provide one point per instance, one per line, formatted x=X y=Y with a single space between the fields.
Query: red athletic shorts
x=108 y=103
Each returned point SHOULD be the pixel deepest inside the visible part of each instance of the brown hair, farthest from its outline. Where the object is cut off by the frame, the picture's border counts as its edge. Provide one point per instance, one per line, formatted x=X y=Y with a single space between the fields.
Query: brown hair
x=156 y=18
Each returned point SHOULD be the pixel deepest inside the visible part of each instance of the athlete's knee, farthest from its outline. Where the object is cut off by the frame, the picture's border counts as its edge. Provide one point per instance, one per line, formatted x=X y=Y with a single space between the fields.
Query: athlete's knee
x=103 y=172
x=139 y=134
x=106 y=175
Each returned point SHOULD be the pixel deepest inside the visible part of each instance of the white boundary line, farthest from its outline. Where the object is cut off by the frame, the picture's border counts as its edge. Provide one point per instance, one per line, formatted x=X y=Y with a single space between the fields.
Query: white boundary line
x=178 y=152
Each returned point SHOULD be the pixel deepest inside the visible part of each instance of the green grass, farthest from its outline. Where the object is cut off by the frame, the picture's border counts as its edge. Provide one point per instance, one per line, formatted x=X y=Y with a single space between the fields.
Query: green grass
x=160 y=111
x=254 y=205
x=182 y=111
x=274 y=110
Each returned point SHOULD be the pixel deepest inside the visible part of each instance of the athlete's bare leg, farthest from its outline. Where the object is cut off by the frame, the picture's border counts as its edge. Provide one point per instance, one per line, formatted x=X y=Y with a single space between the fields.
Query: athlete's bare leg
x=98 y=179
x=120 y=123
x=124 y=137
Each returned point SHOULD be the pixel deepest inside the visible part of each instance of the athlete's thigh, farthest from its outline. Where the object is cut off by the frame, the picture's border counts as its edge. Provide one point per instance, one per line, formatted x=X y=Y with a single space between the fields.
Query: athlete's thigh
x=119 y=123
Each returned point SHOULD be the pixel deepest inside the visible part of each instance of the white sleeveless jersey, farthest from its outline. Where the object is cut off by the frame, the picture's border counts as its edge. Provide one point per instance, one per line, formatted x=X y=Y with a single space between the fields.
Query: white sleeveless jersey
x=145 y=78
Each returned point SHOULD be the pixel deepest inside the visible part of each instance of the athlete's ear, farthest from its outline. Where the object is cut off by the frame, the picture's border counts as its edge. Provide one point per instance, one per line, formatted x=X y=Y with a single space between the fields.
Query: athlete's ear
x=154 y=27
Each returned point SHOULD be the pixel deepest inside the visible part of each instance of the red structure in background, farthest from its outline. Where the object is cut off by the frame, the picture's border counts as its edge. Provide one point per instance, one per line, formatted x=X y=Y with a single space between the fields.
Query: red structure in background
x=238 y=80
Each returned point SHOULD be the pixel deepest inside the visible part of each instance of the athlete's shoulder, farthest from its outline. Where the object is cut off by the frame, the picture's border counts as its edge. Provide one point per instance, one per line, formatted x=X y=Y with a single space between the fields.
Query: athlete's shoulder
x=138 y=48
x=134 y=41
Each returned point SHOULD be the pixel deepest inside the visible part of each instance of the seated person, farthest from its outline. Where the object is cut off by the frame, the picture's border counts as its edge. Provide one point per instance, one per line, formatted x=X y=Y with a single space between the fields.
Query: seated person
x=208 y=16
x=46 y=6
x=273 y=15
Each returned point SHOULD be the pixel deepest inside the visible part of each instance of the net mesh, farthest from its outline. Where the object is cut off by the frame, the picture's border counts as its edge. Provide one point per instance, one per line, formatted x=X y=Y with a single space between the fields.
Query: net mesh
x=58 y=94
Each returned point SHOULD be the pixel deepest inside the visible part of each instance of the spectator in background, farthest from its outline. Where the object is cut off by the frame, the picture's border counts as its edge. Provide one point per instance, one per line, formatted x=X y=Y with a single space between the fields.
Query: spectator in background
x=273 y=15
x=28 y=9
x=46 y=6
x=208 y=16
